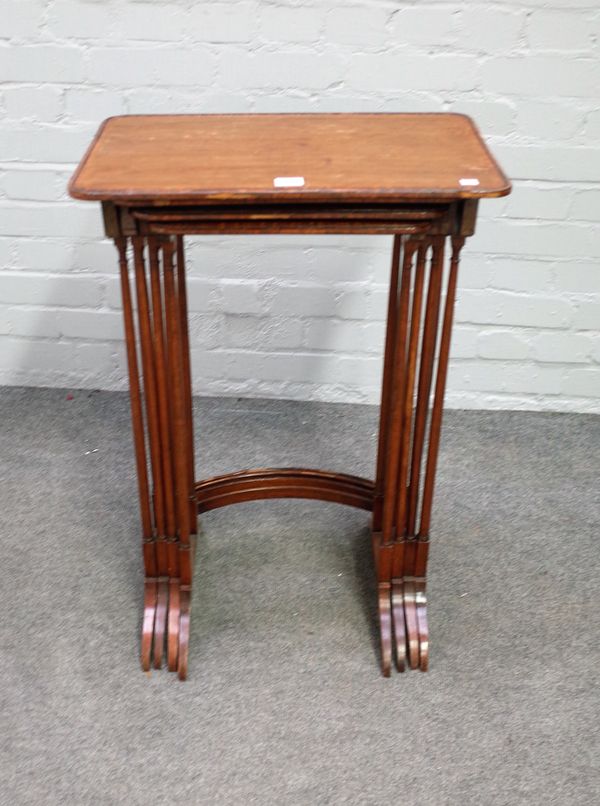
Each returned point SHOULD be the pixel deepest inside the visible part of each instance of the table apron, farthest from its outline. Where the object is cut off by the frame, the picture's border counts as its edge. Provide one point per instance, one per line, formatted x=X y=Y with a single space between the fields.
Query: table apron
x=455 y=218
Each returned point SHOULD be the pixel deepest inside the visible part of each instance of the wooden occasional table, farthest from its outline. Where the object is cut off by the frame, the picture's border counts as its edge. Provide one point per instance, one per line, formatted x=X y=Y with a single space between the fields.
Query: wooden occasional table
x=160 y=177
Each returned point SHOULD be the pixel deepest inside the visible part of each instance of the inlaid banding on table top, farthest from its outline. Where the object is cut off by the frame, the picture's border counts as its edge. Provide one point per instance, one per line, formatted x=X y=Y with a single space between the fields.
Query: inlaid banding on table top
x=194 y=158
x=263 y=483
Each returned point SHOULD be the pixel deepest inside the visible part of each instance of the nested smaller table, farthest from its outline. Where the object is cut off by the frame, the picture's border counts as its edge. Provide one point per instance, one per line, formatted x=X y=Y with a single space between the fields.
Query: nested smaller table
x=417 y=178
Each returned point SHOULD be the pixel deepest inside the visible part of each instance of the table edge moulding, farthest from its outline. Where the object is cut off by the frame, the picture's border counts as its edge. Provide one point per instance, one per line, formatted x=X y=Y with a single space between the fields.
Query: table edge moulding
x=416 y=177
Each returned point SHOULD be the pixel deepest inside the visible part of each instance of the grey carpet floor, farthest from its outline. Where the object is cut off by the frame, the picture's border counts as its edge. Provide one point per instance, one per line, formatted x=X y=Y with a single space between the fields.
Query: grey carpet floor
x=285 y=704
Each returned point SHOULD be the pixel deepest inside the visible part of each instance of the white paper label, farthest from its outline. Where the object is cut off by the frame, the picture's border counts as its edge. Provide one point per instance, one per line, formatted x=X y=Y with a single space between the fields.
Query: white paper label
x=288 y=181
x=468 y=182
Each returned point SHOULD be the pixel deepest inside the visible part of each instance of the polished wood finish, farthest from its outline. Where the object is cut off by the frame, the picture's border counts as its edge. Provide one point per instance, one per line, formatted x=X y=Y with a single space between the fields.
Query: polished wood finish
x=253 y=485
x=190 y=159
x=440 y=388
x=413 y=432
x=386 y=386
x=162 y=177
x=136 y=412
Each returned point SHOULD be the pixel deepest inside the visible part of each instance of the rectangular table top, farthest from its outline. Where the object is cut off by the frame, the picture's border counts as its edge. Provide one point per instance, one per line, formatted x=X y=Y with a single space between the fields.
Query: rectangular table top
x=199 y=159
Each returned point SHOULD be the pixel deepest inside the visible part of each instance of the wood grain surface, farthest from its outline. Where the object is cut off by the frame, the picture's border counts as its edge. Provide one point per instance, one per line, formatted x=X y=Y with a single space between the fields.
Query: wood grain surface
x=162 y=159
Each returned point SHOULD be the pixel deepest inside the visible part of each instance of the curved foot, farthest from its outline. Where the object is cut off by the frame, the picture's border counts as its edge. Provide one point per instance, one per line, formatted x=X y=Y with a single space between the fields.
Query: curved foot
x=410 y=620
x=150 y=590
x=184 y=633
x=160 y=622
x=166 y=625
x=385 y=628
x=398 y=620
x=422 y=626
x=403 y=607
x=173 y=626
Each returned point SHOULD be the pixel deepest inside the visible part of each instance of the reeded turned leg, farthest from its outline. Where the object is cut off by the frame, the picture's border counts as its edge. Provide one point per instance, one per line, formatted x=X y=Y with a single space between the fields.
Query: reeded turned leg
x=156 y=333
x=419 y=325
x=409 y=437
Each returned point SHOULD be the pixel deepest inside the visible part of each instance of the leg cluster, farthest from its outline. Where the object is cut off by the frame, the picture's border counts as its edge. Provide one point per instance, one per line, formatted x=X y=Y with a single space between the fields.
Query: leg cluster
x=156 y=333
x=418 y=340
x=415 y=367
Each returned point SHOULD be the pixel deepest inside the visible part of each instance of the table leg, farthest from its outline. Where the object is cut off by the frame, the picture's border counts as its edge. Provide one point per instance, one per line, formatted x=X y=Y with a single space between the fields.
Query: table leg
x=156 y=332
x=403 y=499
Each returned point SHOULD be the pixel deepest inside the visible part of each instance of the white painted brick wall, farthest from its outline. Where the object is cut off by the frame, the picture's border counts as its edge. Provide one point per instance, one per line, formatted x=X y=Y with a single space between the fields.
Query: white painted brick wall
x=297 y=316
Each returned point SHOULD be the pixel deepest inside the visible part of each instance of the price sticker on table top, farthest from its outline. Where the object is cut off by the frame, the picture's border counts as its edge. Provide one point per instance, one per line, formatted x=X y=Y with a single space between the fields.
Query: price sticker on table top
x=288 y=182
